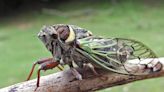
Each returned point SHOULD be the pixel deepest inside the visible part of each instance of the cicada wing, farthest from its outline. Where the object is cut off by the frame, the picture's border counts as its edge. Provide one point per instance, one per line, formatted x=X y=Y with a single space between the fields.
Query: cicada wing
x=99 y=63
x=115 y=54
x=136 y=53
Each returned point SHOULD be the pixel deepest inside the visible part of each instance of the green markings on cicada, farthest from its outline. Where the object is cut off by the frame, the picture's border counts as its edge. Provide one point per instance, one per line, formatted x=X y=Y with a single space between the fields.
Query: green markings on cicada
x=141 y=51
x=111 y=54
x=94 y=61
x=107 y=56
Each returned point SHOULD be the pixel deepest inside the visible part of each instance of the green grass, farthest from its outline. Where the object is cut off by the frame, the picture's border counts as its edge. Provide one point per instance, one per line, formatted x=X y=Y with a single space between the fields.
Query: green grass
x=20 y=47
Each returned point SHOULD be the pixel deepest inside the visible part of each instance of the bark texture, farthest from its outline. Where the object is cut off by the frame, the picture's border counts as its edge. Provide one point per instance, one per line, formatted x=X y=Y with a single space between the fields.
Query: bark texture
x=65 y=82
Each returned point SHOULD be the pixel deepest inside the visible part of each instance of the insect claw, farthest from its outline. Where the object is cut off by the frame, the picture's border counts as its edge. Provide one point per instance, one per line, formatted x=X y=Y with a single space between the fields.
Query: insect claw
x=79 y=77
x=76 y=74
x=35 y=89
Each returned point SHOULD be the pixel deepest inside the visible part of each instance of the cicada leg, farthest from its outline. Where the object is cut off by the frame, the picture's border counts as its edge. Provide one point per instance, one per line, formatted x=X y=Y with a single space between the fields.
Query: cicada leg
x=45 y=64
x=90 y=66
x=41 y=62
x=35 y=63
x=75 y=72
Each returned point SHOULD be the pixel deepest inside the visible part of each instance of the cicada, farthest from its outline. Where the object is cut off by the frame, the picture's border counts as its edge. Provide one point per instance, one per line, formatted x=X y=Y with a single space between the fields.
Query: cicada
x=70 y=44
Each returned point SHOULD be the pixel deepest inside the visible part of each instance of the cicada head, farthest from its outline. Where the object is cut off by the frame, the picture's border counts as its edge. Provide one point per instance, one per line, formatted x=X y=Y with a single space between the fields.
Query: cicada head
x=48 y=35
x=54 y=38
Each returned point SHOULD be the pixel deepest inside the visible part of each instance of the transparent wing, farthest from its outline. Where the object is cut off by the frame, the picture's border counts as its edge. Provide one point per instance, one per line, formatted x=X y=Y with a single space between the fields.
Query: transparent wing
x=115 y=53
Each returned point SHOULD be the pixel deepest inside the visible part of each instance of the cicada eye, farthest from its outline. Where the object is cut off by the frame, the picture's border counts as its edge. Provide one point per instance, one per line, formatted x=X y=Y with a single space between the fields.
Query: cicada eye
x=54 y=36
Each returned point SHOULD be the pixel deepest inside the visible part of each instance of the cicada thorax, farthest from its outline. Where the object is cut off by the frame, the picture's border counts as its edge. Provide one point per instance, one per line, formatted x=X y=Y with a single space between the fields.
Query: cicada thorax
x=69 y=33
x=66 y=41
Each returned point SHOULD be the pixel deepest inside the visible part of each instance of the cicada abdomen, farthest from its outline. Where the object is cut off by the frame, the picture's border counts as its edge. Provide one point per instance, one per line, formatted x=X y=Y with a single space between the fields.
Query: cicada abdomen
x=140 y=55
x=114 y=54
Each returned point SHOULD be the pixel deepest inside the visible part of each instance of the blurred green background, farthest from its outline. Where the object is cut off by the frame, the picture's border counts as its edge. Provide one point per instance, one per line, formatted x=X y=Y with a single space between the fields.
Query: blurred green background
x=142 y=20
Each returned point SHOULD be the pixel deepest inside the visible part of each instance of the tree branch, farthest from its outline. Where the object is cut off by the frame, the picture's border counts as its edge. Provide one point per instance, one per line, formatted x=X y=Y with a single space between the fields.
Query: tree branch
x=65 y=82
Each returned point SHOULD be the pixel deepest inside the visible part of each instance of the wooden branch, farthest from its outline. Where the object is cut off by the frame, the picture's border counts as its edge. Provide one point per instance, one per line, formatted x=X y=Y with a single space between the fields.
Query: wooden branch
x=65 y=82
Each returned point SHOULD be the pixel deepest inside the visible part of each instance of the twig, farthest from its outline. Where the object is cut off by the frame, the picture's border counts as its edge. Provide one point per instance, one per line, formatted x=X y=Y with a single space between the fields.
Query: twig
x=65 y=82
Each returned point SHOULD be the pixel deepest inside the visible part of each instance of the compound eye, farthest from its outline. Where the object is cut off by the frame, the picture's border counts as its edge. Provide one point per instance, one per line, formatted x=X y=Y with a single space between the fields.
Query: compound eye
x=54 y=36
